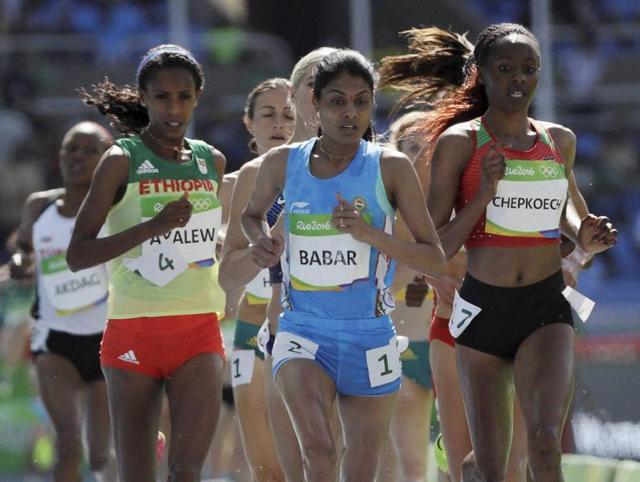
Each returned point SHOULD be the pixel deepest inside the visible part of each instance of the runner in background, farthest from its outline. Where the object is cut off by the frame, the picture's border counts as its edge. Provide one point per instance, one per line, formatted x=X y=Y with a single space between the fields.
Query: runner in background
x=269 y=117
x=335 y=340
x=410 y=426
x=306 y=127
x=70 y=312
x=157 y=191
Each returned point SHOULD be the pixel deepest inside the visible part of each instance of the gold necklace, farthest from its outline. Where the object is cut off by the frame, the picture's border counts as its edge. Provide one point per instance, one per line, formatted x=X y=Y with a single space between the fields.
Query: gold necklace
x=332 y=157
x=176 y=149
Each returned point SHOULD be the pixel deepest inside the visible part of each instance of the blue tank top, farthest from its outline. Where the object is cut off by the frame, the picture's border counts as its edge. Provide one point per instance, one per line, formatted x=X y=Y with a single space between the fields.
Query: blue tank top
x=327 y=273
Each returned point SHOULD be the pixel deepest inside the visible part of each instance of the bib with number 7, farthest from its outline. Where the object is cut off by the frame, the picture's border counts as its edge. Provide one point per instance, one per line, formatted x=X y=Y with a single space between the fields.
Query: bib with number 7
x=462 y=315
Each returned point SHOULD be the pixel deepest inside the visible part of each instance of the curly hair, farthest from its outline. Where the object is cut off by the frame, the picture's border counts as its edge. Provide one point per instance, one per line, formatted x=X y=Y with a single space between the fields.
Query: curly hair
x=121 y=104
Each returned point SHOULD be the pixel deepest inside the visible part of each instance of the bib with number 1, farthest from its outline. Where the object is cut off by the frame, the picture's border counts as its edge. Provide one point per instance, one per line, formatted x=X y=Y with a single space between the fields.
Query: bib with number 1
x=529 y=200
x=197 y=240
x=321 y=258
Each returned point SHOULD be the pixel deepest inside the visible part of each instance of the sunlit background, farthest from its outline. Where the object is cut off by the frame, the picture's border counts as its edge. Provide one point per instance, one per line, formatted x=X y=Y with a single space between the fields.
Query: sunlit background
x=591 y=84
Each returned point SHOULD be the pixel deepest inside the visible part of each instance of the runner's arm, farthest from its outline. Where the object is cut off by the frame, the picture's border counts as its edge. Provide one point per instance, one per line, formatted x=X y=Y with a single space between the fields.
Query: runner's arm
x=449 y=158
x=423 y=253
x=236 y=265
x=272 y=172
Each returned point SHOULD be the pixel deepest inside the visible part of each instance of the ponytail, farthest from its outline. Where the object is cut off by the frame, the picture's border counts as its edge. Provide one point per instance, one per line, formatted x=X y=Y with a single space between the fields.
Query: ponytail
x=120 y=104
x=434 y=66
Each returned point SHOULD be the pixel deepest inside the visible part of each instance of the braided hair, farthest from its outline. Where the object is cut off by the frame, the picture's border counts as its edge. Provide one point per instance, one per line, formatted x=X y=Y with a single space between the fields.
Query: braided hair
x=122 y=105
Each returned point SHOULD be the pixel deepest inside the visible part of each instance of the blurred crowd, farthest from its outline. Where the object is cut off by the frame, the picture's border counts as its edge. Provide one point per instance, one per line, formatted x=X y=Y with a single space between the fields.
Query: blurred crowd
x=594 y=45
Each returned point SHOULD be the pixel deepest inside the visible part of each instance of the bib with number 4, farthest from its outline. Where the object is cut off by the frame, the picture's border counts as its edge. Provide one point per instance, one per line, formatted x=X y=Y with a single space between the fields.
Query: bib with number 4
x=383 y=364
x=288 y=345
x=462 y=314
x=160 y=266
x=242 y=363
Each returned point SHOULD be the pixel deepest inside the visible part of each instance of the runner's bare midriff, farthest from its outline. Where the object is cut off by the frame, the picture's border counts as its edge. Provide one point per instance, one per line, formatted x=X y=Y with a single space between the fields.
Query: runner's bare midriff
x=512 y=267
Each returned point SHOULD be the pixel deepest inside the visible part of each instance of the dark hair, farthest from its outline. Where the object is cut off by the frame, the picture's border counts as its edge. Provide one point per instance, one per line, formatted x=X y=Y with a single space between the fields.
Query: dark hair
x=261 y=88
x=433 y=66
x=445 y=61
x=121 y=104
x=344 y=60
x=469 y=100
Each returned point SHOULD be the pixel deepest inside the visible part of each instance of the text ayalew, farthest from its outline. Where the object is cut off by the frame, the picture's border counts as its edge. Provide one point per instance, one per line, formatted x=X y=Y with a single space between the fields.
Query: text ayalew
x=185 y=236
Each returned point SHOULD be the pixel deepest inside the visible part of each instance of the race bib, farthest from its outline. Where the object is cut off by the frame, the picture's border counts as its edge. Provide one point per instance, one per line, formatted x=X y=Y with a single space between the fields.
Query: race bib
x=529 y=200
x=263 y=337
x=258 y=290
x=69 y=291
x=321 y=258
x=402 y=342
x=160 y=265
x=197 y=240
x=462 y=315
x=383 y=364
x=39 y=335
x=288 y=345
x=582 y=305
x=242 y=364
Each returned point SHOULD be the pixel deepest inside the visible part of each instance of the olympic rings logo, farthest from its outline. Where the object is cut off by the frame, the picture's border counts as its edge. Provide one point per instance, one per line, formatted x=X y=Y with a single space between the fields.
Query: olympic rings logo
x=549 y=171
x=201 y=204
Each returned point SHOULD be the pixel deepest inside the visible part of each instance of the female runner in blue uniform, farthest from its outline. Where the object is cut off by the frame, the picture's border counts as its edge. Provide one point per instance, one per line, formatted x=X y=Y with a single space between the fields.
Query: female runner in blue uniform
x=335 y=340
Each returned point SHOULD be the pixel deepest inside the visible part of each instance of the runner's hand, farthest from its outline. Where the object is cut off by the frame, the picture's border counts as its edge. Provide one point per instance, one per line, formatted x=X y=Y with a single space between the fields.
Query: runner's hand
x=416 y=291
x=175 y=214
x=445 y=287
x=267 y=251
x=596 y=234
x=19 y=267
x=347 y=219
x=493 y=166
